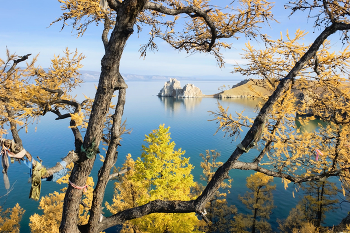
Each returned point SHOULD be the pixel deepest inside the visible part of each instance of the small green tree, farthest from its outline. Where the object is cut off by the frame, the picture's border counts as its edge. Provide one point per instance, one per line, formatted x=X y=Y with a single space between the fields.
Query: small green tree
x=260 y=201
x=160 y=173
x=219 y=213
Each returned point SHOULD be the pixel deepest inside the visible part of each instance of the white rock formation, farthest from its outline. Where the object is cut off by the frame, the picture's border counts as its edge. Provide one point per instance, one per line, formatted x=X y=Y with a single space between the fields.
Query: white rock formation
x=173 y=88
x=190 y=91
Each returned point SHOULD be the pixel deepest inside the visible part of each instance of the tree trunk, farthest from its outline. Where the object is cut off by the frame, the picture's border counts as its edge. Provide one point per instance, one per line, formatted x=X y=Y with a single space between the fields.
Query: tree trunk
x=320 y=207
x=255 y=211
x=111 y=157
x=110 y=80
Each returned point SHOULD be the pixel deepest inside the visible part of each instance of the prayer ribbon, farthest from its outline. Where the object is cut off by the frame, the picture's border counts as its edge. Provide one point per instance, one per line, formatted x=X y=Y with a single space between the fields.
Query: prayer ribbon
x=78 y=187
x=318 y=152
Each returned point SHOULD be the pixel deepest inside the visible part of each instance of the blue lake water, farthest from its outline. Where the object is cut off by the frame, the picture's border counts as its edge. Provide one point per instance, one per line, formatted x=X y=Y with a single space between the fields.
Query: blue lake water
x=144 y=111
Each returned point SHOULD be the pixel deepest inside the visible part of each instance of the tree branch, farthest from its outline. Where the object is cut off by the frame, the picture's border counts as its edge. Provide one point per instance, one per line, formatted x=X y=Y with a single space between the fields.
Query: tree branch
x=191 y=11
x=156 y=206
x=328 y=12
x=58 y=91
x=70 y=157
x=106 y=28
x=78 y=139
x=114 y=4
x=15 y=62
x=296 y=179
x=119 y=173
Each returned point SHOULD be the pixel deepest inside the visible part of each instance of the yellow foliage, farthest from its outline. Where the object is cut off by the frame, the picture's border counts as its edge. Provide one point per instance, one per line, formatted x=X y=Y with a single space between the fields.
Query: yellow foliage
x=24 y=95
x=10 y=219
x=78 y=118
x=241 y=17
x=161 y=173
x=319 y=94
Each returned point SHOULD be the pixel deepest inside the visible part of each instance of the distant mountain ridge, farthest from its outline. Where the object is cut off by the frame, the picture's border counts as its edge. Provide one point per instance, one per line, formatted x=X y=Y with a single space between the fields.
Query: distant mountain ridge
x=93 y=76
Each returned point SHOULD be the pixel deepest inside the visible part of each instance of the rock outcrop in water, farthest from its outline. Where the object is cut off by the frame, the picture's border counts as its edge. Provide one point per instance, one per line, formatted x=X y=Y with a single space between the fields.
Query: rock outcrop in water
x=173 y=88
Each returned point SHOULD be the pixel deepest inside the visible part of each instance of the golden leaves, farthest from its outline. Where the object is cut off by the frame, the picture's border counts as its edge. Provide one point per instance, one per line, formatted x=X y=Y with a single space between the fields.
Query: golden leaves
x=160 y=173
x=82 y=13
x=78 y=118
x=24 y=93
x=232 y=126
x=10 y=219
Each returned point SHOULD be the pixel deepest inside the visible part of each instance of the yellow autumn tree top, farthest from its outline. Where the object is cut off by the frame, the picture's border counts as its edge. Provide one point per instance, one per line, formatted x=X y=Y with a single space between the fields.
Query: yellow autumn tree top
x=160 y=173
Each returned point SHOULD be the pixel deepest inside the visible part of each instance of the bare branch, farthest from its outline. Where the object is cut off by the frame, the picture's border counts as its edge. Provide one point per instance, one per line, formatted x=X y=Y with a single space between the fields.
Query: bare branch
x=106 y=28
x=70 y=157
x=296 y=179
x=119 y=173
x=15 y=62
x=111 y=158
x=58 y=91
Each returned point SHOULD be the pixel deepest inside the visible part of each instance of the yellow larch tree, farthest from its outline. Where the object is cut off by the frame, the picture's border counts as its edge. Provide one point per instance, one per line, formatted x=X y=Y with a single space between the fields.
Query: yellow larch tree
x=319 y=90
x=161 y=173
x=260 y=201
x=320 y=197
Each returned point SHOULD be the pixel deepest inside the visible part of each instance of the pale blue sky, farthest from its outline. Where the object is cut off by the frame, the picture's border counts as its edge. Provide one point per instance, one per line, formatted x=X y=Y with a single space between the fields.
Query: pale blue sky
x=24 y=29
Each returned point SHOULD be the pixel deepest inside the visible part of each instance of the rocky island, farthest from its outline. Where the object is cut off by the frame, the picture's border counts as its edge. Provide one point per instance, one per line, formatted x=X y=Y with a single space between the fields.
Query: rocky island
x=173 y=88
x=243 y=89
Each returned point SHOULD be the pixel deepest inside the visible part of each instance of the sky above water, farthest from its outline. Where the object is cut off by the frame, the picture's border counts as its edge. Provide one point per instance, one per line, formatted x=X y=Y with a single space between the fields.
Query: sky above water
x=25 y=28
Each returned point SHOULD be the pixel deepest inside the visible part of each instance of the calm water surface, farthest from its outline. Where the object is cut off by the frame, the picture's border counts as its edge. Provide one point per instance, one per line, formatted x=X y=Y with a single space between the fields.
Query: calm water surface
x=144 y=111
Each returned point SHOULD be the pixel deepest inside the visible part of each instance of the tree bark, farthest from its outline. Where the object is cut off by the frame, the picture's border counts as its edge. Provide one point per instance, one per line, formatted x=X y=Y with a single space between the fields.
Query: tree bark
x=110 y=80
x=255 y=210
x=111 y=157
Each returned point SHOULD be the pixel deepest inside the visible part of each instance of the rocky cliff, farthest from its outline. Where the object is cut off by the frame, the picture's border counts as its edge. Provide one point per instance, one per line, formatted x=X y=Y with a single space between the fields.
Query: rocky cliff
x=173 y=88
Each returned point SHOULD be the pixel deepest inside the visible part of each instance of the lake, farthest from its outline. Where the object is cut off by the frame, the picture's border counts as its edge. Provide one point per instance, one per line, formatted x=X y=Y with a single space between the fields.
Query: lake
x=144 y=111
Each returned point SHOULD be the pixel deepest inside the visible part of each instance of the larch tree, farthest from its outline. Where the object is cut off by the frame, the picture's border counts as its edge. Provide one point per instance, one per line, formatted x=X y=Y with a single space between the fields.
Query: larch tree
x=205 y=30
x=307 y=81
x=260 y=201
x=320 y=197
x=160 y=173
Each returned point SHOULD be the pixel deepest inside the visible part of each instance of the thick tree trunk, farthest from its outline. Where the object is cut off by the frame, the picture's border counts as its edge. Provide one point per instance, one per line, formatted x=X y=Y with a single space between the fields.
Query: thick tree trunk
x=110 y=80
